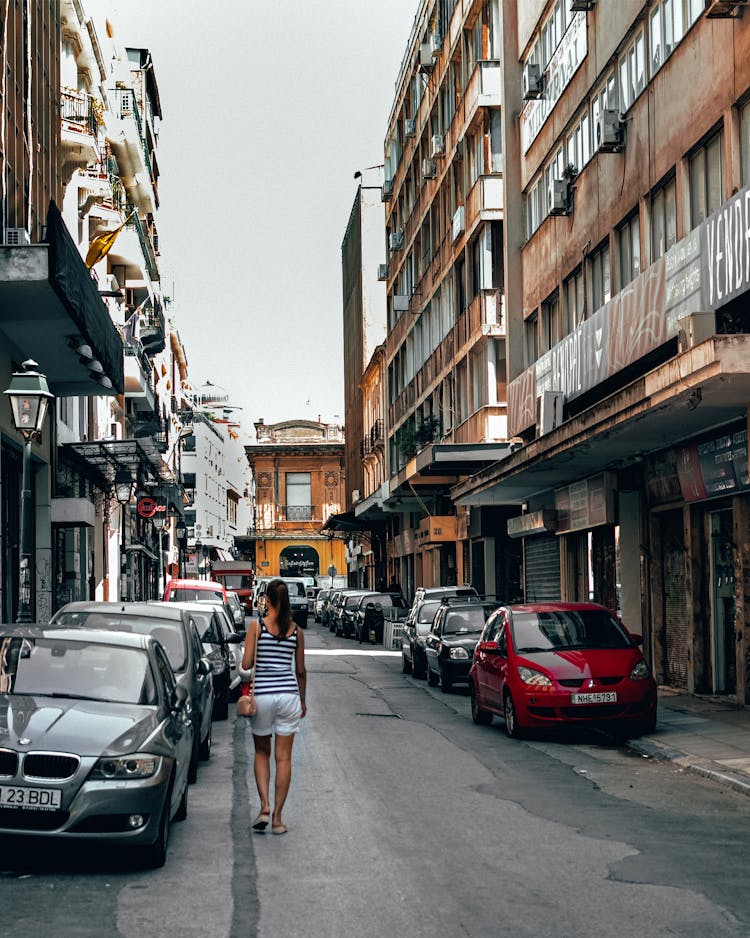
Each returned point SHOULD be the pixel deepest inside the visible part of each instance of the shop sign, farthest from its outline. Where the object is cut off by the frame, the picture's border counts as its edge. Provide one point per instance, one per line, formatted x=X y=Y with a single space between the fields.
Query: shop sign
x=147 y=507
x=725 y=251
x=714 y=467
x=585 y=504
x=568 y=57
x=533 y=522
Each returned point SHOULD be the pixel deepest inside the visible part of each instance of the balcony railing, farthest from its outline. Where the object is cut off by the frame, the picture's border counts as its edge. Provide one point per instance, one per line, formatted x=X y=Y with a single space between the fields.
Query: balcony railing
x=76 y=108
x=128 y=107
x=297 y=512
x=146 y=246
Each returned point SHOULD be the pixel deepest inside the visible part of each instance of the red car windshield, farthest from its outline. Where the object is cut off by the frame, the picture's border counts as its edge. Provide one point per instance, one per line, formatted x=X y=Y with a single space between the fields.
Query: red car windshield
x=566 y=629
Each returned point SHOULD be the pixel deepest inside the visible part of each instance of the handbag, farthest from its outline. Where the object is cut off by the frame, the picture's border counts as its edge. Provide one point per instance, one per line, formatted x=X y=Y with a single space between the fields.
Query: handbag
x=246 y=703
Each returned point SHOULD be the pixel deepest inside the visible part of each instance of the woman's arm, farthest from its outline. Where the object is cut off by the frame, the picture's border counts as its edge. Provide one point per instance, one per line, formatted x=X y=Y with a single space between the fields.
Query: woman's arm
x=299 y=662
x=248 y=653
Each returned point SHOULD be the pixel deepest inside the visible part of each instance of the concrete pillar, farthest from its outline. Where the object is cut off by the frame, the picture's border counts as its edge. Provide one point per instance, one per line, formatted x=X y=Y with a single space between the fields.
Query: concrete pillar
x=741 y=521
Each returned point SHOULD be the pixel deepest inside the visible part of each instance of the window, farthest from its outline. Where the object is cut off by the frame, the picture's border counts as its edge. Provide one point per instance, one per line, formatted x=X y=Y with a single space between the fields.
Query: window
x=706 y=180
x=600 y=276
x=298 y=496
x=630 y=250
x=633 y=71
x=745 y=144
x=550 y=323
x=531 y=340
x=663 y=219
x=602 y=100
x=574 y=304
x=535 y=207
x=555 y=170
x=579 y=143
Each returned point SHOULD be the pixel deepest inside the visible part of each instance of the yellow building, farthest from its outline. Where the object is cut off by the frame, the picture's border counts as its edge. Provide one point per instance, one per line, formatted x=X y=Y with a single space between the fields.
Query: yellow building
x=298 y=471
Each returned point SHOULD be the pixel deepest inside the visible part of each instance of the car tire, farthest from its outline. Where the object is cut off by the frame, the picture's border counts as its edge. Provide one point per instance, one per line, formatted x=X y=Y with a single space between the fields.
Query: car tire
x=405 y=665
x=204 y=753
x=418 y=668
x=221 y=705
x=512 y=727
x=193 y=767
x=639 y=728
x=155 y=855
x=479 y=715
x=432 y=679
x=182 y=807
x=446 y=684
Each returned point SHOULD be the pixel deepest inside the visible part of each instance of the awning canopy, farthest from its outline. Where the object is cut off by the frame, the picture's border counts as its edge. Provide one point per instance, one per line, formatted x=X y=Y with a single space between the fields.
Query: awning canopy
x=102 y=459
x=48 y=305
x=346 y=521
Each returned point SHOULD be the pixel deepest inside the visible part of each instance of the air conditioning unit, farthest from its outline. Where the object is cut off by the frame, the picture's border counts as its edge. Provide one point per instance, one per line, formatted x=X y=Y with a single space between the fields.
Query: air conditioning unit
x=425 y=57
x=558 y=198
x=382 y=271
x=387 y=191
x=438 y=145
x=533 y=81
x=609 y=132
x=582 y=6
x=209 y=530
x=401 y=303
x=410 y=126
x=17 y=236
x=459 y=222
x=725 y=9
x=396 y=240
x=429 y=169
x=694 y=329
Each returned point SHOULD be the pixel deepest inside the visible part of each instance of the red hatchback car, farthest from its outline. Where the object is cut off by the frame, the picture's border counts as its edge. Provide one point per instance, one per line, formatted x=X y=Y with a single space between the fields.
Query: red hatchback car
x=552 y=664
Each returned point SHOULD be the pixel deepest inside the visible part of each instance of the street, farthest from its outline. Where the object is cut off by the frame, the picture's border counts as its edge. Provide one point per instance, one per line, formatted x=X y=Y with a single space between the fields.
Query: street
x=405 y=818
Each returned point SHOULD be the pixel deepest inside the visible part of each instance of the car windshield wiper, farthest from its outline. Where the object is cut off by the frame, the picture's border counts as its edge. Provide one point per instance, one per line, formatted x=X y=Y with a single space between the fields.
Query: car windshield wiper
x=70 y=696
x=531 y=649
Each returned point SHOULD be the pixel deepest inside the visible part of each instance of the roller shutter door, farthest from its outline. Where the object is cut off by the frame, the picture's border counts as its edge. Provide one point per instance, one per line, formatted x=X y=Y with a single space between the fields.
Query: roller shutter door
x=676 y=604
x=542 y=568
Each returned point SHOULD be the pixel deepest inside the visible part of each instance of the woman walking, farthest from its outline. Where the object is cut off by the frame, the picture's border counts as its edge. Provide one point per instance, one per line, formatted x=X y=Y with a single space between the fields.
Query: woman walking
x=280 y=685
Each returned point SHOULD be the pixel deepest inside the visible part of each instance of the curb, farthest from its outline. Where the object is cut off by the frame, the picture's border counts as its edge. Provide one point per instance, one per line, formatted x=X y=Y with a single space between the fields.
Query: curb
x=706 y=769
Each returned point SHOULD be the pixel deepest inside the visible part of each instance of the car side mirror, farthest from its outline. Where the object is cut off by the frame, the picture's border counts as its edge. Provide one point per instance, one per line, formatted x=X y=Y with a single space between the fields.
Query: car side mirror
x=204 y=666
x=488 y=647
x=234 y=639
x=635 y=638
x=179 y=698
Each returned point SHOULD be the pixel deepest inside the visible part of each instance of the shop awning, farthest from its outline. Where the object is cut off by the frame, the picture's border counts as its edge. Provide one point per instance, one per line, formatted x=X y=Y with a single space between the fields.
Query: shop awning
x=49 y=305
x=658 y=411
x=345 y=521
x=102 y=459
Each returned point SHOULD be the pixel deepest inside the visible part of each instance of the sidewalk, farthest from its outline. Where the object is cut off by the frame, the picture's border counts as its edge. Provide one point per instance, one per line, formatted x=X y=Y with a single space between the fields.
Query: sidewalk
x=705 y=735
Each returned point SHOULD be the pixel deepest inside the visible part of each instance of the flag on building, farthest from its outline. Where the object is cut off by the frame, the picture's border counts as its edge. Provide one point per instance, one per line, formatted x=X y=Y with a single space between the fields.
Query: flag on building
x=102 y=244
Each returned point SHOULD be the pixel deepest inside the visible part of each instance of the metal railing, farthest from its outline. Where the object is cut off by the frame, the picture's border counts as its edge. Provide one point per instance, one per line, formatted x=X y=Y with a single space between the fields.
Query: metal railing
x=77 y=108
x=146 y=246
x=128 y=107
x=297 y=512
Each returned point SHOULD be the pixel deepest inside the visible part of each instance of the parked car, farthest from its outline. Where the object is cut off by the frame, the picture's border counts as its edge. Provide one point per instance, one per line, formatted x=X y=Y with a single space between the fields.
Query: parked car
x=449 y=645
x=236 y=611
x=297 y=589
x=332 y=609
x=217 y=634
x=552 y=664
x=345 y=612
x=319 y=604
x=259 y=581
x=312 y=592
x=417 y=626
x=190 y=591
x=171 y=626
x=108 y=757
x=370 y=614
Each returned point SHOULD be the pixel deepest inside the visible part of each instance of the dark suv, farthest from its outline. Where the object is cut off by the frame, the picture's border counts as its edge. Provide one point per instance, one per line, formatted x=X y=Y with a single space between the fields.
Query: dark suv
x=414 y=637
x=449 y=646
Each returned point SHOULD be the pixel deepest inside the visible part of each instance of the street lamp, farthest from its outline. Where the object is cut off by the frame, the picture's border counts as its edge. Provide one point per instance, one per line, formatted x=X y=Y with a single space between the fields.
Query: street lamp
x=29 y=397
x=199 y=556
x=158 y=523
x=123 y=491
x=181 y=533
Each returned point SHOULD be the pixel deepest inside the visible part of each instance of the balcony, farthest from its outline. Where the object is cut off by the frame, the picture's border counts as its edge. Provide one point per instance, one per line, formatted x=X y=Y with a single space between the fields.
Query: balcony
x=484 y=89
x=139 y=381
x=79 y=129
x=153 y=331
x=485 y=200
x=127 y=138
x=297 y=512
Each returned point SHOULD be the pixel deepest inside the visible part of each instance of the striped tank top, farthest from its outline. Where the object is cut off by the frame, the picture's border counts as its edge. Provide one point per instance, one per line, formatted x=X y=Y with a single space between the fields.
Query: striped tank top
x=274 y=669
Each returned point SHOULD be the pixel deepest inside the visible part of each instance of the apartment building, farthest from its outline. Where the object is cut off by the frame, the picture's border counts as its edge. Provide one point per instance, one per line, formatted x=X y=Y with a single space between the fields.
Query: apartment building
x=299 y=480
x=446 y=349
x=627 y=284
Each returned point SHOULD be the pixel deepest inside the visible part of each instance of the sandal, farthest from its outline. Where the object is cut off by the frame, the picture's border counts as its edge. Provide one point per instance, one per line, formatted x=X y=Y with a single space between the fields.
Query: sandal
x=279 y=829
x=261 y=822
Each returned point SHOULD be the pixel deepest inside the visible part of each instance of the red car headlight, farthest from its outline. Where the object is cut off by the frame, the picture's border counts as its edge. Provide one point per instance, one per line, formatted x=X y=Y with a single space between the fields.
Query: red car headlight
x=640 y=672
x=534 y=678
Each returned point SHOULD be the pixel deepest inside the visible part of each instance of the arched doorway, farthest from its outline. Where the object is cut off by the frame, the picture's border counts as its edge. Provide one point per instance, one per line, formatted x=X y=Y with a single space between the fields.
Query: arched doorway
x=299 y=560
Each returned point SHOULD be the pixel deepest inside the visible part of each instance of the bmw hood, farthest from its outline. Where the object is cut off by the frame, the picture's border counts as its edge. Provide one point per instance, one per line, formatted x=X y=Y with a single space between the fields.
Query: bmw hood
x=84 y=727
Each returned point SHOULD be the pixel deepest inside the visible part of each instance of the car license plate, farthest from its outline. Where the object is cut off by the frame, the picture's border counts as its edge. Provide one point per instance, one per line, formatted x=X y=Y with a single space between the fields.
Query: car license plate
x=35 y=799
x=607 y=697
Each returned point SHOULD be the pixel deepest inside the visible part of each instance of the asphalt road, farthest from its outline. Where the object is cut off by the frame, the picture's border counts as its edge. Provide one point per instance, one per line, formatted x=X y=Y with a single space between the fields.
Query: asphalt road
x=406 y=819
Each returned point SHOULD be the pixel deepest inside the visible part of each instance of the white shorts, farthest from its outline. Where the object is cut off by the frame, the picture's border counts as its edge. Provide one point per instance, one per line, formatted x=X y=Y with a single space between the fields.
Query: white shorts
x=276 y=713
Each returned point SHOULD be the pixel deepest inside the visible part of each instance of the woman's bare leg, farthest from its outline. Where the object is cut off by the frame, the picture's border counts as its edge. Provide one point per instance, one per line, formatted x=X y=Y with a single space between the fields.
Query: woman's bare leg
x=283 y=757
x=262 y=768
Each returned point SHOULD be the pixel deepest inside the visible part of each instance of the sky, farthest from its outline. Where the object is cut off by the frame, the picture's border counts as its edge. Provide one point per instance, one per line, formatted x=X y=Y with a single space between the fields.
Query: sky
x=269 y=108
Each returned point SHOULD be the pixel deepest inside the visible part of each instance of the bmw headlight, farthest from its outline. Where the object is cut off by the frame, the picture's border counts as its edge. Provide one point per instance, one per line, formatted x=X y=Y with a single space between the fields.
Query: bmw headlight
x=535 y=678
x=640 y=672
x=139 y=765
x=459 y=653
